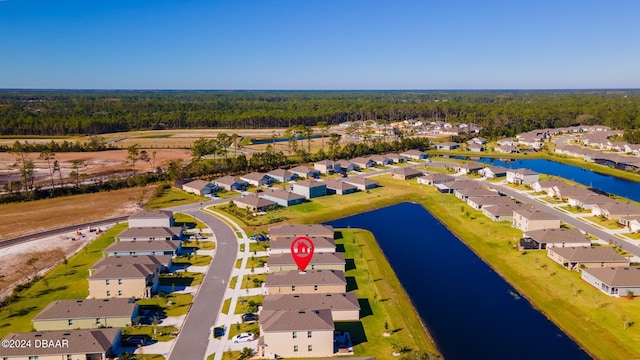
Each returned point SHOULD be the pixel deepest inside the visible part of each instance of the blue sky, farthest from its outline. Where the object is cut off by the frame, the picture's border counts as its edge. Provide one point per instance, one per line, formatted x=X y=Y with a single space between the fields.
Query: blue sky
x=328 y=44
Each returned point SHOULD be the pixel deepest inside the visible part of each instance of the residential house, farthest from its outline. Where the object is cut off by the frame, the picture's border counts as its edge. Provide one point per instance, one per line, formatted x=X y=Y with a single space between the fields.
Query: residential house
x=588 y=201
x=363 y=163
x=478 y=202
x=347 y=165
x=140 y=248
x=282 y=245
x=435 y=178
x=343 y=306
x=163 y=261
x=477 y=140
x=475 y=147
x=361 y=183
x=502 y=212
x=546 y=185
x=199 y=187
x=150 y=233
x=300 y=333
x=308 y=282
x=337 y=186
x=282 y=175
x=530 y=141
x=305 y=172
x=327 y=166
x=631 y=222
x=509 y=142
x=125 y=281
x=282 y=197
x=546 y=238
x=85 y=344
x=615 y=210
x=522 y=176
x=447 y=145
x=469 y=168
x=231 y=183
x=576 y=258
x=415 y=154
x=506 y=149
x=151 y=218
x=397 y=158
x=491 y=172
x=528 y=219
x=614 y=280
x=466 y=193
x=257 y=179
x=319 y=261
x=381 y=160
x=86 y=314
x=405 y=173
x=310 y=188
x=566 y=191
x=288 y=231
x=254 y=202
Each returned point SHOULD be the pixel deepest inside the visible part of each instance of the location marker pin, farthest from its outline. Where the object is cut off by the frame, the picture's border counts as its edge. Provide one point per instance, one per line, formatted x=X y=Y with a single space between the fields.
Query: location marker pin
x=302 y=251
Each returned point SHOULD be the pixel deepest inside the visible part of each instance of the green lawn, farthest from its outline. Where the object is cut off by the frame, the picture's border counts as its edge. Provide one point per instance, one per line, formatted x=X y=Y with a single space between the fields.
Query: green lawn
x=193 y=260
x=609 y=224
x=68 y=281
x=171 y=304
x=162 y=333
x=226 y=305
x=259 y=246
x=149 y=357
x=252 y=281
x=182 y=279
x=238 y=328
x=173 y=197
x=575 y=209
x=233 y=282
x=199 y=244
x=243 y=301
x=253 y=262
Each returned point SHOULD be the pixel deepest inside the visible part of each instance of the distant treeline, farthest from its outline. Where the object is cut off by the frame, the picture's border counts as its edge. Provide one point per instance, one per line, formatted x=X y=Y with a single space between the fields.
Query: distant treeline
x=94 y=143
x=500 y=113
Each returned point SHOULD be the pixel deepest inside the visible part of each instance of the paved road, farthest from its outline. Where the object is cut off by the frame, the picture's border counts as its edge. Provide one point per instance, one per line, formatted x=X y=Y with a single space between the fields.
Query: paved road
x=604 y=235
x=193 y=339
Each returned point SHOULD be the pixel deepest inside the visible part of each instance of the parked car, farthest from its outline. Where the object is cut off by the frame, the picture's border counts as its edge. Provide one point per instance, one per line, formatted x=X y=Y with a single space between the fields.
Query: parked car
x=259 y=238
x=249 y=317
x=135 y=340
x=244 y=337
x=218 y=331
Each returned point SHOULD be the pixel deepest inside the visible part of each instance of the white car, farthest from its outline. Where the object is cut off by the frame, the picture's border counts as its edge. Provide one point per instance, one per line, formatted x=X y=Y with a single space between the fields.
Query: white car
x=244 y=337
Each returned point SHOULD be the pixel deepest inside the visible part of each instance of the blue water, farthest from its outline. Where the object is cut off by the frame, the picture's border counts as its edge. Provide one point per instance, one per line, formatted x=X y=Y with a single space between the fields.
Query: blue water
x=471 y=312
x=609 y=184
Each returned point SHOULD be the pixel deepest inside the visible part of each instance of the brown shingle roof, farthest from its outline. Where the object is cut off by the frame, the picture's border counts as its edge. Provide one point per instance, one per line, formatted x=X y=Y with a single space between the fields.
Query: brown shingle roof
x=87 y=309
x=617 y=275
x=339 y=301
x=534 y=214
x=284 y=242
x=124 y=271
x=296 y=230
x=317 y=259
x=151 y=214
x=339 y=185
x=552 y=236
x=162 y=260
x=310 y=277
x=589 y=254
x=148 y=232
x=300 y=320
x=153 y=245
x=255 y=201
x=79 y=342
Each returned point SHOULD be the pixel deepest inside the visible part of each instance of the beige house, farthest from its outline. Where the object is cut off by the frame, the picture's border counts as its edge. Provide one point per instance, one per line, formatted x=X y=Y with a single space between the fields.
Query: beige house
x=255 y=203
x=327 y=166
x=405 y=173
x=94 y=344
x=125 y=281
x=153 y=247
x=575 y=258
x=283 y=245
x=361 y=183
x=286 y=231
x=501 y=212
x=522 y=176
x=304 y=333
x=616 y=210
x=161 y=260
x=547 y=238
x=614 y=281
x=309 y=282
x=199 y=187
x=319 y=261
x=527 y=219
x=86 y=314
x=344 y=306
x=151 y=218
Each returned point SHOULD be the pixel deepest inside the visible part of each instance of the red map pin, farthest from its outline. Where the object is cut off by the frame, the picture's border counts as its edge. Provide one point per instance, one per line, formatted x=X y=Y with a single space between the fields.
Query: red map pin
x=302 y=251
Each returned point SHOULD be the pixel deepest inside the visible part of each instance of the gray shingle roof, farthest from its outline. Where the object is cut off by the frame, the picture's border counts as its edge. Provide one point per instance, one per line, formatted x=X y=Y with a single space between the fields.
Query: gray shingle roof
x=148 y=232
x=589 y=254
x=133 y=259
x=299 y=320
x=310 y=277
x=152 y=214
x=296 y=230
x=79 y=342
x=87 y=309
x=124 y=271
x=552 y=236
x=617 y=275
x=146 y=245
x=339 y=301
x=284 y=242
x=317 y=259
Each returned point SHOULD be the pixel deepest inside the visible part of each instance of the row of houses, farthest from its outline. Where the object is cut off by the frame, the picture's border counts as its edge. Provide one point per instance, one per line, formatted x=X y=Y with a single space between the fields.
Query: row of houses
x=299 y=311
x=91 y=328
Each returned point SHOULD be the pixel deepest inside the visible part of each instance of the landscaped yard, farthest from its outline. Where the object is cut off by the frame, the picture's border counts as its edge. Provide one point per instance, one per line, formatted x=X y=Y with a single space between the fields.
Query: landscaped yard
x=253 y=262
x=575 y=209
x=181 y=278
x=609 y=224
x=252 y=281
x=171 y=304
x=159 y=333
x=198 y=244
x=191 y=260
x=173 y=197
x=248 y=304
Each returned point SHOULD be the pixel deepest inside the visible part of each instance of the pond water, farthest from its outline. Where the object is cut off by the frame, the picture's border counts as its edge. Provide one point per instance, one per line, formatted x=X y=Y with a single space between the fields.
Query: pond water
x=471 y=312
x=607 y=183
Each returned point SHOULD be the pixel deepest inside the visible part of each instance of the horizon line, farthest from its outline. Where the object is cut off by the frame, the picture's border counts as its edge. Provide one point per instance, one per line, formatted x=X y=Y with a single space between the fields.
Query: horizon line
x=319 y=90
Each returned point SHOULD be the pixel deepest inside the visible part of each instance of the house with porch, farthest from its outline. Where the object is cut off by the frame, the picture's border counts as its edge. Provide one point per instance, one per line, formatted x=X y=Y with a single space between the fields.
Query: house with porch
x=546 y=238
x=576 y=258
x=614 y=280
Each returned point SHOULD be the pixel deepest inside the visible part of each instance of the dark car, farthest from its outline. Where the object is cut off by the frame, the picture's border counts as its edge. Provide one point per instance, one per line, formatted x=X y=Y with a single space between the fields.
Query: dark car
x=218 y=331
x=135 y=340
x=249 y=317
x=259 y=237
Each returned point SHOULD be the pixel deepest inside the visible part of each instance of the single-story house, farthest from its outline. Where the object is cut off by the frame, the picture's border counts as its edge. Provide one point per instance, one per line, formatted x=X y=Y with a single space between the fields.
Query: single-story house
x=631 y=222
x=478 y=202
x=576 y=258
x=469 y=168
x=347 y=165
x=491 y=172
x=287 y=231
x=199 y=187
x=337 y=186
x=506 y=149
x=589 y=201
x=503 y=212
x=397 y=158
x=140 y=248
x=254 y=202
x=361 y=183
x=305 y=172
x=152 y=218
x=282 y=175
x=475 y=147
x=86 y=314
x=615 y=210
x=257 y=179
x=507 y=142
x=282 y=245
x=522 y=176
x=282 y=197
x=435 y=178
x=231 y=183
x=363 y=163
x=308 y=282
x=466 y=193
x=528 y=219
x=327 y=166
x=319 y=261
x=447 y=145
x=150 y=233
x=381 y=160
x=566 y=191
x=300 y=333
x=477 y=140
x=310 y=188
x=414 y=154
x=89 y=344
x=125 y=281
x=546 y=238
x=546 y=185
x=343 y=306
x=614 y=280
x=405 y=173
